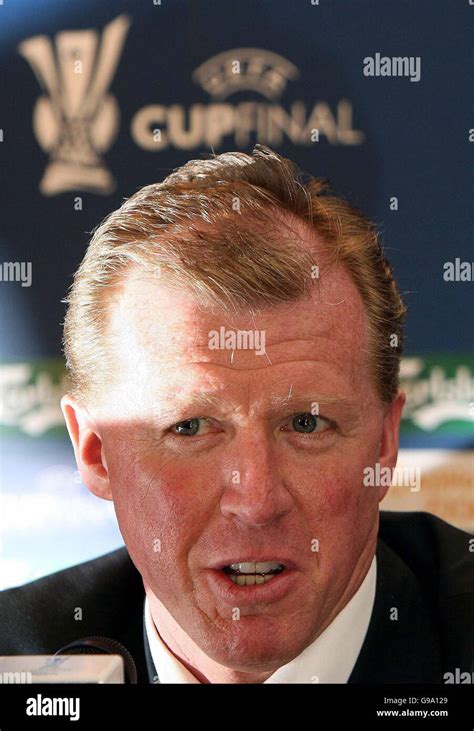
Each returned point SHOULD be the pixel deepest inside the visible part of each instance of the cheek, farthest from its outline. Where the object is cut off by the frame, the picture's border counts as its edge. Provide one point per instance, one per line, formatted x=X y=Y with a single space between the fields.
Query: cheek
x=162 y=508
x=339 y=511
x=335 y=499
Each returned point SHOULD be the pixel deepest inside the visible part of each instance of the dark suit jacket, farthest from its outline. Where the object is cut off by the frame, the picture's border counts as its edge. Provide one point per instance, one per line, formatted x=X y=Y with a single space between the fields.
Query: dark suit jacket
x=425 y=578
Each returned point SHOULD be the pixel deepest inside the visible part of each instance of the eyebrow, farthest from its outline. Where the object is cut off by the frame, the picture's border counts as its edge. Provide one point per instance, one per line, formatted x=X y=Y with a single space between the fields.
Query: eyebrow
x=277 y=401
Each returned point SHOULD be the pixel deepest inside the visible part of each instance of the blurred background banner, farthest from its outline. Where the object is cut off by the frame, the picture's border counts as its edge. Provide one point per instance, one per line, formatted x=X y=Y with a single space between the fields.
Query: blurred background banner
x=98 y=98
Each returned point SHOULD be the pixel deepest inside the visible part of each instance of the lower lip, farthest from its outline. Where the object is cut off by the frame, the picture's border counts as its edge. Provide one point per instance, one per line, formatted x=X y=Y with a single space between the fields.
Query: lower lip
x=271 y=591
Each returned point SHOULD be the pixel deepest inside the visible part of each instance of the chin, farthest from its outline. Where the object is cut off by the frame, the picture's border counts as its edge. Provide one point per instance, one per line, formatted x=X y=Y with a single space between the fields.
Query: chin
x=252 y=649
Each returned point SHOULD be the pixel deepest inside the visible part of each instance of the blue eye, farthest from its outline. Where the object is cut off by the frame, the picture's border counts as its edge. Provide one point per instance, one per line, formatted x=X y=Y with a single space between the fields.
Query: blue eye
x=187 y=428
x=305 y=423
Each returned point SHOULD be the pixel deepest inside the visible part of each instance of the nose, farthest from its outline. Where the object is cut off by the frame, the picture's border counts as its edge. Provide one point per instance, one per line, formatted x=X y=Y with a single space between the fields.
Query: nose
x=255 y=492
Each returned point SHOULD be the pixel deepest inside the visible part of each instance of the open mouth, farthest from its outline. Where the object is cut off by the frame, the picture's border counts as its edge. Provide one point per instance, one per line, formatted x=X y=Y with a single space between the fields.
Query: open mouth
x=245 y=583
x=250 y=573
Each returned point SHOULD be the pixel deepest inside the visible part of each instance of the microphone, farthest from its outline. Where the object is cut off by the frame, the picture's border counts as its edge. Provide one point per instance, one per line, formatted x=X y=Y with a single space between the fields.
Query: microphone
x=103 y=646
x=88 y=660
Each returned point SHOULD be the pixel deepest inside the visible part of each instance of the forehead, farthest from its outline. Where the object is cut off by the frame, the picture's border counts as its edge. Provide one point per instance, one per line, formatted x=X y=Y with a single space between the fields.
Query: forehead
x=158 y=334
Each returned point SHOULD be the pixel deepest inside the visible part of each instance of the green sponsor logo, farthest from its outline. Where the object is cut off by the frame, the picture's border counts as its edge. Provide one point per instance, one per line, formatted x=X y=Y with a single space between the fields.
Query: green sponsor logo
x=440 y=394
x=29 y=397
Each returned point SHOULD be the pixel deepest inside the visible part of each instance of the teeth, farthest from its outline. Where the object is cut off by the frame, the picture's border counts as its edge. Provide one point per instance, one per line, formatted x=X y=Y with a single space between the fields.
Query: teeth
x=262 y=567
x=250 y=579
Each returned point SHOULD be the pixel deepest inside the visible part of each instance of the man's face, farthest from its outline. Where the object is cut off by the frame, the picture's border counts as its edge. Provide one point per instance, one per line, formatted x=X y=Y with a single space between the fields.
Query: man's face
x=252 y=472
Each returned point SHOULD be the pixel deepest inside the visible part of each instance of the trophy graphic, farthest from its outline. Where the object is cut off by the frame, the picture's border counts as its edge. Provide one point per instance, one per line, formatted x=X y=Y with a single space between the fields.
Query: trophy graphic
x=76 y=119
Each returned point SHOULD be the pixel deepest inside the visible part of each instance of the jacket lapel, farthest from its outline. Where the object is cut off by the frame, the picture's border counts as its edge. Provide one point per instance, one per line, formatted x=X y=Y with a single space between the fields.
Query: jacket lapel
x=401 y=644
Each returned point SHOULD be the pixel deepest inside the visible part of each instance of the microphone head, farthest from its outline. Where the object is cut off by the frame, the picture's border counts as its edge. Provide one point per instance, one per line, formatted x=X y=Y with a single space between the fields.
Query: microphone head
x=103 y=646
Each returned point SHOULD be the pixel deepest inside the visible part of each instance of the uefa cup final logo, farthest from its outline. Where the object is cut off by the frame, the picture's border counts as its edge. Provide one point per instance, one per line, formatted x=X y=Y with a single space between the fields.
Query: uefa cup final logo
x=76 y=119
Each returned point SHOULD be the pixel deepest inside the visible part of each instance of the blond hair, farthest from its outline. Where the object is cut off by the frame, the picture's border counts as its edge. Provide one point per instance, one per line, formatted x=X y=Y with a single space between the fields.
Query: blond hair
x=222 y=229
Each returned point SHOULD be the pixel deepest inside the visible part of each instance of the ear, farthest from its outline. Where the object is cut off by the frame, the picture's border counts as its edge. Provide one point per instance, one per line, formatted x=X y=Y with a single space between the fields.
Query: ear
x=88 y=447
x=390 y=435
